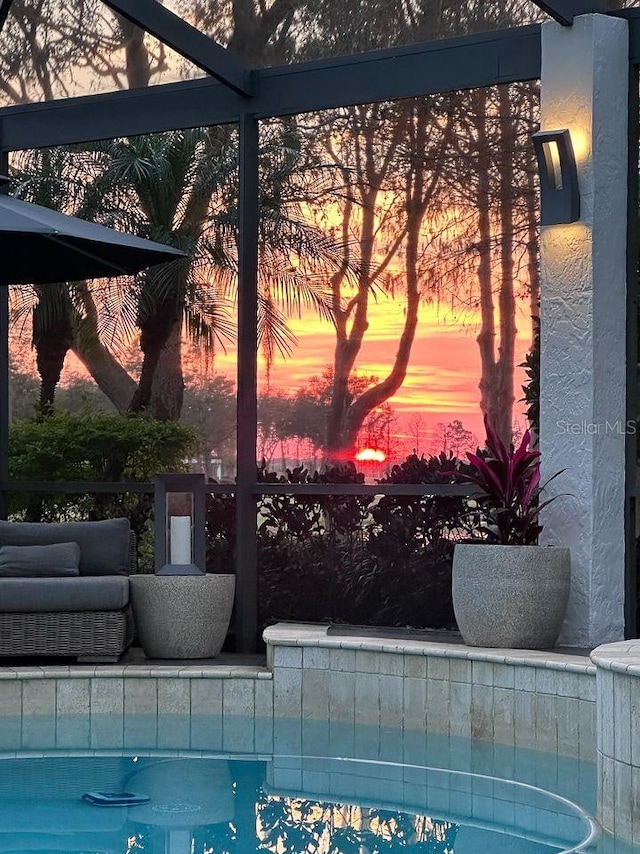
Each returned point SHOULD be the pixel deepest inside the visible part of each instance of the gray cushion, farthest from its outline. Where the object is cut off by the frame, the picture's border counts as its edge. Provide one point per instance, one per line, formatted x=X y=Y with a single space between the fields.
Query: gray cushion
x=55 y=559
x=104 y=546
x=31 y=595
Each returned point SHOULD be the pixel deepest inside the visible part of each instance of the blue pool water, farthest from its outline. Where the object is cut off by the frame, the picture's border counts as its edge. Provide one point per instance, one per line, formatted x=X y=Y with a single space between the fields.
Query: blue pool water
x=228 y=803
x=363 y=792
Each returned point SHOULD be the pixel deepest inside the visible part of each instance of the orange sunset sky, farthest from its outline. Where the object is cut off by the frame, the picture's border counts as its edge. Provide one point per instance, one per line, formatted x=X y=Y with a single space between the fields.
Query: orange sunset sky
x=442 y=379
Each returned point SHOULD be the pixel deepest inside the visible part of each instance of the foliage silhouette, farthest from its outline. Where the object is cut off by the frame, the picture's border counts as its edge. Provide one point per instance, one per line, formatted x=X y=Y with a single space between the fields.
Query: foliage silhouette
x=351 y=558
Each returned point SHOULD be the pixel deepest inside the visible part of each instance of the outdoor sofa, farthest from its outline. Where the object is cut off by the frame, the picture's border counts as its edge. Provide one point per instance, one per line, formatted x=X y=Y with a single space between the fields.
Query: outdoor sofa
x=64 y=589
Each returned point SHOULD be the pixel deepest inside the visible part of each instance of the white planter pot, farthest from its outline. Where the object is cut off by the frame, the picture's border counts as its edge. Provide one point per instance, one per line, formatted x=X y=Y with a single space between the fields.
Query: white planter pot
x=511 y=597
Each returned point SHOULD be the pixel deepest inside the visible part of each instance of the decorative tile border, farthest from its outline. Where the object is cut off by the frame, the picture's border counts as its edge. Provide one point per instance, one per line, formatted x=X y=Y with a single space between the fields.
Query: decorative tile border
x=101 y=707
x=540 y=700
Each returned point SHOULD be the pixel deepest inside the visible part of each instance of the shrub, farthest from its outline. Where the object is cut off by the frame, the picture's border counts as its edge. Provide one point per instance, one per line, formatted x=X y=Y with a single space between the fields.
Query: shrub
x=407 y=581
x=356 y=559
x=304 y=545
x=99 y=448
x=102 y=448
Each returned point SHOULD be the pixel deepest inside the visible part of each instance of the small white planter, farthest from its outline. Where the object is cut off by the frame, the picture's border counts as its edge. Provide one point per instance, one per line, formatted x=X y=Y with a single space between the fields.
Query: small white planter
x=510 y=597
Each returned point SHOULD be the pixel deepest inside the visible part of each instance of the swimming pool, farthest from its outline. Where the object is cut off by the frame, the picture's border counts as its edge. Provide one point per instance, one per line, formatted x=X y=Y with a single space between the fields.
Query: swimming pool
x=405 y=705
x=455 y=796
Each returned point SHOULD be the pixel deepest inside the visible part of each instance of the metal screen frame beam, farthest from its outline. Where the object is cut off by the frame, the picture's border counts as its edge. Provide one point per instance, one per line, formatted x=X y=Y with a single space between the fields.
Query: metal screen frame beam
x=5 y=6
x=247 y=385
x=631 y=439
x=564 y=11
x=193 y=45
x=429 y=68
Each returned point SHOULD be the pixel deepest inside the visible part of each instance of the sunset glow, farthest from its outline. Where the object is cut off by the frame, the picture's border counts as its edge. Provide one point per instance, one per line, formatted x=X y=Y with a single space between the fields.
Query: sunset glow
x=371 y=455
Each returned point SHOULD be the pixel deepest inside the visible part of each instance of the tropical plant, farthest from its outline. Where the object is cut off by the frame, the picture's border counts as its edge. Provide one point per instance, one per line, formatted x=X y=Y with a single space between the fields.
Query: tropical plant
x=509 y=480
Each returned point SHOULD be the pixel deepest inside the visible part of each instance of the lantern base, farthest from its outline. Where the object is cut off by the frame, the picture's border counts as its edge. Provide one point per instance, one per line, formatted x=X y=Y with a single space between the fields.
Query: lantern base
x=179 y=569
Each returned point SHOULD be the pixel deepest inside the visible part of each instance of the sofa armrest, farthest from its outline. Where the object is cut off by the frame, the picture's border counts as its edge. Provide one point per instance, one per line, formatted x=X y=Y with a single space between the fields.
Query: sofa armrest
x=133 y=554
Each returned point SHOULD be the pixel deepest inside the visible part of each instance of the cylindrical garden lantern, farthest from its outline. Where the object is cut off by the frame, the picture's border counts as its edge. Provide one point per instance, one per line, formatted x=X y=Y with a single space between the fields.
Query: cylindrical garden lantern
x=180 y=541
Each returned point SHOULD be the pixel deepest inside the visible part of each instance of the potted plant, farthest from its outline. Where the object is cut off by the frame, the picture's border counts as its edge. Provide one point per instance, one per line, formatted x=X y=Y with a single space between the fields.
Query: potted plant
x=508 y=591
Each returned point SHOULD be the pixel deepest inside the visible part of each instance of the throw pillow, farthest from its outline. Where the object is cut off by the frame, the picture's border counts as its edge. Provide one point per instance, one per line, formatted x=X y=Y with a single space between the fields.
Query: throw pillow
x=57 y=559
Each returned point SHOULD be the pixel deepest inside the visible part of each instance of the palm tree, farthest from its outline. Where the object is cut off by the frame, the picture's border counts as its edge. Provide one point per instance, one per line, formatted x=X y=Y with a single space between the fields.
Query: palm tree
x=179 y=188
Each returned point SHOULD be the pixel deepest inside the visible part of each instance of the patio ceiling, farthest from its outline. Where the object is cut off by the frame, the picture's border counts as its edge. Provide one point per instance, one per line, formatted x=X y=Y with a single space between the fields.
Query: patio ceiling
x=435 y=67
x=564 y=11
x=234 y=88
x=226 y=68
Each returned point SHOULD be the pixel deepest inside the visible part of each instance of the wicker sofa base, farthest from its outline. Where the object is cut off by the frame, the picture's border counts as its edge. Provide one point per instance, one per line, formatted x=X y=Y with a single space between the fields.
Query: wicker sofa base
x=85 y=635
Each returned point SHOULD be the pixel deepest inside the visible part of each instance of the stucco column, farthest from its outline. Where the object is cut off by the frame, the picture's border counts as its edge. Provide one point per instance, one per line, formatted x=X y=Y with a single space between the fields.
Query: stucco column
x=583 y=309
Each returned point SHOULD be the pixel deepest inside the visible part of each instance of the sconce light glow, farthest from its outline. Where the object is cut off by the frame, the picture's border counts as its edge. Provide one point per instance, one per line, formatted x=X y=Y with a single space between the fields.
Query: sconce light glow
x=580 y=144
x=558 y=173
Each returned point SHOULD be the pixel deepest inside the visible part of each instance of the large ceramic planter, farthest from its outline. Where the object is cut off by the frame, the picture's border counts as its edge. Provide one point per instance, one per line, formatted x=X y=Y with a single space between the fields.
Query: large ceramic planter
x=511 y=597
x=182 y=616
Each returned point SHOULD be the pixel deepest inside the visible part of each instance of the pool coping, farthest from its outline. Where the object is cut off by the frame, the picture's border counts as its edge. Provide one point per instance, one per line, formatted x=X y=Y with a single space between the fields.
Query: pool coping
x=313 y=635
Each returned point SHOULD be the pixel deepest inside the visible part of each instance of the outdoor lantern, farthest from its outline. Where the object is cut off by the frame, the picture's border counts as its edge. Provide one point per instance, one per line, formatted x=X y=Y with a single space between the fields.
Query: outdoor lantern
x=559 y=193
x=180 y=524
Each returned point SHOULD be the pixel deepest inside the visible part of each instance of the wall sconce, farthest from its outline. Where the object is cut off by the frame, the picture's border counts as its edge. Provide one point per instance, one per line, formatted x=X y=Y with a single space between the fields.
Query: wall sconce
x=179 y=525
x=558 y=173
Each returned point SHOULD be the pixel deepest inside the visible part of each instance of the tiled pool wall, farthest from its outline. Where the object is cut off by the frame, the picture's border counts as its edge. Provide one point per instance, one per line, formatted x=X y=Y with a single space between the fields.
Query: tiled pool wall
x=155 y=707
x=618 y=737
x=371 y=698
x=544 y=701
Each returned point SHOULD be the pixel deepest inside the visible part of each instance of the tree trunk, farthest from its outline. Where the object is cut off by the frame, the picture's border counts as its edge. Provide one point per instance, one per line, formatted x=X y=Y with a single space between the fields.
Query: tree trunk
x=533 y=242
x=371 y=170
x=487 y=335
x=155 y=332
x=167 y=387
x=52 y=339
x=138 y=67
x=417 y=198
x=110 y=377
x=349 y=341
x=502 y=404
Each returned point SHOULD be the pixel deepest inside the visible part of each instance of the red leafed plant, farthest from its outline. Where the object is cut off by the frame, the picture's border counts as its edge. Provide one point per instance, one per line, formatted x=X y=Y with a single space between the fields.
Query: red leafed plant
x=509 y=480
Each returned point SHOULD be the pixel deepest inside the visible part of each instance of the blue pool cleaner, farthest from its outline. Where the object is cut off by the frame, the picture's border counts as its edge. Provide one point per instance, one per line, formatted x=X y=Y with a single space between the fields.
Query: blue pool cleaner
x=115 y=799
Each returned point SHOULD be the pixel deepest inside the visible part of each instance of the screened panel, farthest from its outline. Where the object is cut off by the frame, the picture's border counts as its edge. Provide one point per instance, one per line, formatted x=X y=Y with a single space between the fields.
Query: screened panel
x=382 y=561
x=274 y=33
x=401 y=276
x=51 y=50
x=161 y=345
